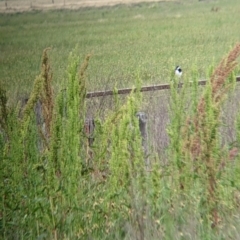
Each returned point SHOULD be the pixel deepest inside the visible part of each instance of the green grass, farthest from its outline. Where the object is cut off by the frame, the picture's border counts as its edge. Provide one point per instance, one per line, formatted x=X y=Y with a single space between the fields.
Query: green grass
x=55 y=186
x=152 y=38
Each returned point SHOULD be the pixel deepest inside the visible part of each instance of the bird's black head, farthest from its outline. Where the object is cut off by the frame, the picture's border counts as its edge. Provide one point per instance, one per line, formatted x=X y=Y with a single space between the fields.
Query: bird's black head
x=178 y=68
x=178 y=71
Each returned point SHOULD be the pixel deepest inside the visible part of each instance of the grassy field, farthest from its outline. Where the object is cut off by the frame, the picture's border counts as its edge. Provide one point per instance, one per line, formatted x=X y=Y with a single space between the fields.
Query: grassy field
x=150 y=38
x=56 y=185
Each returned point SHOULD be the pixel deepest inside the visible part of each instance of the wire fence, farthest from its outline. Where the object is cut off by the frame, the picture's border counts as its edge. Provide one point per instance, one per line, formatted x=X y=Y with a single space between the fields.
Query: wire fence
x=155 y=107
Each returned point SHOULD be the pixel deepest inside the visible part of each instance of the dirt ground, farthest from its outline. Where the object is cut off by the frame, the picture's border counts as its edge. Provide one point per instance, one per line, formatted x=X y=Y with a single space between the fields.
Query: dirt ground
x=12 y=6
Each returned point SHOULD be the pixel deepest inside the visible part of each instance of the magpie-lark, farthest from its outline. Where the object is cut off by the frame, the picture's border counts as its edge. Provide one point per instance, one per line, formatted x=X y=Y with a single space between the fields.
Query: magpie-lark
x=178 y=71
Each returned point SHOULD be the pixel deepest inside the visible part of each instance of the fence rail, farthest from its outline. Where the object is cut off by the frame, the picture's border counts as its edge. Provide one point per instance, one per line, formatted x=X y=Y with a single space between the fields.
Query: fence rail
x=143 y=89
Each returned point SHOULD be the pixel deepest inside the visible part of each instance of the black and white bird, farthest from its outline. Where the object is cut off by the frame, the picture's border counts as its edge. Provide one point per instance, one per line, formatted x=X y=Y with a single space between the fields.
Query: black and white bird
x=178 y=71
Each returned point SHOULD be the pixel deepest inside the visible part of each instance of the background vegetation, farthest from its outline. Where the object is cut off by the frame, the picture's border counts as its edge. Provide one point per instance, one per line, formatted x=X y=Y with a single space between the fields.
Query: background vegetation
x=57 y=186
x=153 y=38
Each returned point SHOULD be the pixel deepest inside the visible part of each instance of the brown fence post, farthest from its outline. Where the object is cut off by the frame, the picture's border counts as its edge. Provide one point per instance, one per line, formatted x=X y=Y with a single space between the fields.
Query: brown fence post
x=142 y=117
x=89 y=127
x=89 y=130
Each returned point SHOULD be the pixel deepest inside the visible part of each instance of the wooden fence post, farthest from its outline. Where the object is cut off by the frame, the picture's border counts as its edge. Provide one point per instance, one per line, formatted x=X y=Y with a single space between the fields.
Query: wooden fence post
x=89 y=130
x=89 y=127
x=142 y=117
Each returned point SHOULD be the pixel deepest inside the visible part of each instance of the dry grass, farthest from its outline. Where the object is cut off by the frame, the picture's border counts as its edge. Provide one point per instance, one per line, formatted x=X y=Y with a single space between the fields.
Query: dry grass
x=202 y=142
x=27 y=6
x=219 y=88
x=47 y=93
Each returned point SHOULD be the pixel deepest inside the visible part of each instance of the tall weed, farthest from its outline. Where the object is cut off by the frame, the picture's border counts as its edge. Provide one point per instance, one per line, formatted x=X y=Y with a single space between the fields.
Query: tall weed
x=56 y=185
x=196 y=141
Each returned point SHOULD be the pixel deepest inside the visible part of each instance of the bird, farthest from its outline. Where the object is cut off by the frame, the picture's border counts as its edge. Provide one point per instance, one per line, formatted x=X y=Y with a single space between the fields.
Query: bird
x=178 y=71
